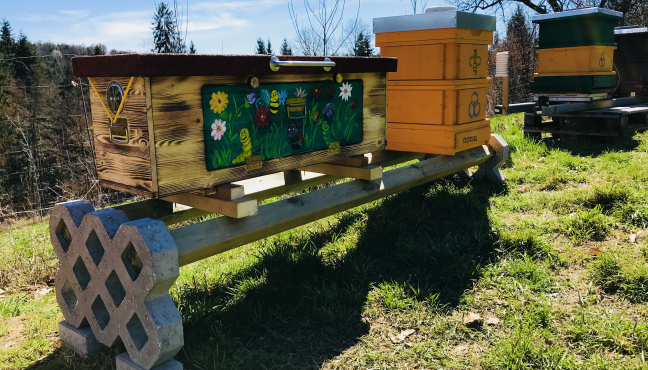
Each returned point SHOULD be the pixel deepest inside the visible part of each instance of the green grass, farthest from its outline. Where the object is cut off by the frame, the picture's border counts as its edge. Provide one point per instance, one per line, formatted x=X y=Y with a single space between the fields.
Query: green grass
x=548 y=255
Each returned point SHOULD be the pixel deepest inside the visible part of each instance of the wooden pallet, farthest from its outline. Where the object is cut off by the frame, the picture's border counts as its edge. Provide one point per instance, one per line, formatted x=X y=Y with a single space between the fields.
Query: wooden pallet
x=608 y=123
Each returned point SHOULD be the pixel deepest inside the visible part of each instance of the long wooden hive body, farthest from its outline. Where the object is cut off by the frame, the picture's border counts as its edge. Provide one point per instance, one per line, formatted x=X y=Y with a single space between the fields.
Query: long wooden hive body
x=192 y=122
x=437 y=98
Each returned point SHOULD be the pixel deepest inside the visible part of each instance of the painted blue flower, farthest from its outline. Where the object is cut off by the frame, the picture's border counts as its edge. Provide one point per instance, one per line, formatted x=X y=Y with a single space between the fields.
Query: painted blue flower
x=251 y=98
x=329 y=109
x=282 y=96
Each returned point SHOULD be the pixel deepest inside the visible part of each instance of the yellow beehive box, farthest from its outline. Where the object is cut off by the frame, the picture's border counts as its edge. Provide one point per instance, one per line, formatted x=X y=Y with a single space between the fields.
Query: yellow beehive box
x=437 y=54
x=445 y=102
x=575 y=60
x=437 y=139
x=437 y=97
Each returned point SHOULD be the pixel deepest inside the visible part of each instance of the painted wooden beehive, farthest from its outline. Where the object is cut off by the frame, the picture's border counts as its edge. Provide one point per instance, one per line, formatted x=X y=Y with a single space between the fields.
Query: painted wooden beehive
x=166 y=124
x=437 y=98
x=575 y=51
x=631 y=60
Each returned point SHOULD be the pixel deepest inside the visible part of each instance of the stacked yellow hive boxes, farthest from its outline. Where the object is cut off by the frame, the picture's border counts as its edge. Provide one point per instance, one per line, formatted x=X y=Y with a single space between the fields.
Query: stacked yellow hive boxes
x=437 y=98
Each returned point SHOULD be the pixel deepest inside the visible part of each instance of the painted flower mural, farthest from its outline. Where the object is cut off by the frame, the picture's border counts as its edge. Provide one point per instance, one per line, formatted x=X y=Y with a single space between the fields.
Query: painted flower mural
x=300 y=93
x=282 y=96
x=218 y=128
x=328 y=109
x=279 y=119
x=317 y=91
x=345 y=91
x=218 y=102
x=262 y=117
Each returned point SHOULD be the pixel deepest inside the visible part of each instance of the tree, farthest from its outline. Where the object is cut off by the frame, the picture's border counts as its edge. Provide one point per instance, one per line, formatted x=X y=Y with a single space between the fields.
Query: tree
x=269 y=48
x=167 y=37
x=260 y=48
x=416 y=4
x=323 y=28
x=539 y=6
x=285 y=48
x=520 y=40
x=99 y=50
x=192 y=48
x=6 y=39
x=363 y=46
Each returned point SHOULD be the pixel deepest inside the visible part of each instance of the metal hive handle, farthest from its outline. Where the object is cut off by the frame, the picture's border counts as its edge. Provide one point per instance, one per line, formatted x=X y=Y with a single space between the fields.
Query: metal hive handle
x=275 y=63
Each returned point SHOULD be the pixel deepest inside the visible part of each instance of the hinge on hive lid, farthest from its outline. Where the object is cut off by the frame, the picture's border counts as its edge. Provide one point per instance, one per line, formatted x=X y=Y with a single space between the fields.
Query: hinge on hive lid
x=253 y=163
x=334 y=148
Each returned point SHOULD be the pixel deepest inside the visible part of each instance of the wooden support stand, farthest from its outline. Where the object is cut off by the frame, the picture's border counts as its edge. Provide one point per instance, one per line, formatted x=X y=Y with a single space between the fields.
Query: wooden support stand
x=133 y=238
x=607 y=123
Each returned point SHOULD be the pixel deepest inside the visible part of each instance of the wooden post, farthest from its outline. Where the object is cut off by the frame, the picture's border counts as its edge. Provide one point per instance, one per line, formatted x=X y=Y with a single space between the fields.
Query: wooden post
x=505 y=95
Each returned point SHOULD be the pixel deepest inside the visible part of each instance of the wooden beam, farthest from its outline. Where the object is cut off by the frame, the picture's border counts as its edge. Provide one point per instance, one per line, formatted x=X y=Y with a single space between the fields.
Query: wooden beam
x=226 y=192
x=387 y=158
x=236 y=208
x=207 y=238
x=370 y=172
x=352 y=161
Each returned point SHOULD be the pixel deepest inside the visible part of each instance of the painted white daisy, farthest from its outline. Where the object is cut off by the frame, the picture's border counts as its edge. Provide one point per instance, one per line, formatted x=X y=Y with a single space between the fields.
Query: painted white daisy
x=345 y=91
x=218 y=129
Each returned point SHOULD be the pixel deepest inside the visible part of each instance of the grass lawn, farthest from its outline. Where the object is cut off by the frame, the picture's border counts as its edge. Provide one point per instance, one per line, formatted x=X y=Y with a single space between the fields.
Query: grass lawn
x=554 y=263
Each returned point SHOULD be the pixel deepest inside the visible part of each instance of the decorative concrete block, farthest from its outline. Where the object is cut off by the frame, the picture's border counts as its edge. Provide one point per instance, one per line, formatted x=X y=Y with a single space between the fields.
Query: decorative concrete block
x=124 y=362
x=80 y=340
x=115 y=274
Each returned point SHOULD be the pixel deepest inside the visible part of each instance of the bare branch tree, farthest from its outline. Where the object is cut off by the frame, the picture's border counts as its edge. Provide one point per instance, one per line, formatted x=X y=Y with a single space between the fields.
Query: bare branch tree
x=324 y=25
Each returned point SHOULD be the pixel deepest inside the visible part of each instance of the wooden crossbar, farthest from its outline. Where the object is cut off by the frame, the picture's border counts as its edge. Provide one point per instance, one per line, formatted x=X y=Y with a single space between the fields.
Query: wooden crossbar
x=369 y=172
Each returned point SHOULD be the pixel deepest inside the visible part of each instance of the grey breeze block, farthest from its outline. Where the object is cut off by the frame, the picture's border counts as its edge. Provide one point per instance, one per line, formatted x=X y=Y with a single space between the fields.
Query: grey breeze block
x=115 y=276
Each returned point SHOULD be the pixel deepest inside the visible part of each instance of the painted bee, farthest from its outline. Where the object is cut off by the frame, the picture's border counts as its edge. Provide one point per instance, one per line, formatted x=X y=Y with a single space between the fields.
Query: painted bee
x=274 y=102
x=247 y=147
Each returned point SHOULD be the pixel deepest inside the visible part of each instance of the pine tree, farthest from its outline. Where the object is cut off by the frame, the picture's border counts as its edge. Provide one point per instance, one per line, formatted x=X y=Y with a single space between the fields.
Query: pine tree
x=192 y=48
x=260 y=49
x=269 y=48
x=6 y=39
x=520 y=44
x=98 y=50
x=285 y=48
x=166 y=35
x=362 y=47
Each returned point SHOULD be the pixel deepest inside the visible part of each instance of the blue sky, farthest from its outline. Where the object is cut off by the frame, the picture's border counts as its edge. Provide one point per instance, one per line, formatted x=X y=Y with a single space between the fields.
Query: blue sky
x=229 y=26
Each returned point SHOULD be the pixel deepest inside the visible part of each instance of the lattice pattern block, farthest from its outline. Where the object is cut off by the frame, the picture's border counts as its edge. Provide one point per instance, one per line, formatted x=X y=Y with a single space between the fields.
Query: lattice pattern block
x=114 y=276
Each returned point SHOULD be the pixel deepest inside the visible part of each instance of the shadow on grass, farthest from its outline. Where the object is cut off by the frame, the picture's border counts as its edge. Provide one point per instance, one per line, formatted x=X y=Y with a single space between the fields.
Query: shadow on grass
x=301 y=303
x=593 y=146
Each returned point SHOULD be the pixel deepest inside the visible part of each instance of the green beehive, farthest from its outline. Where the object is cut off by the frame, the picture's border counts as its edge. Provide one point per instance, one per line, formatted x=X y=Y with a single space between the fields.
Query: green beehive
x=577 y=30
